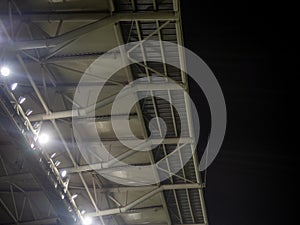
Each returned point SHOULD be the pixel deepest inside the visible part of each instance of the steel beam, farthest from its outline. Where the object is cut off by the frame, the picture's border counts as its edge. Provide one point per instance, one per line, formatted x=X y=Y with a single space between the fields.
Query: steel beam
x=154 y=141
x=81 y=31
x=88 y=56
x=37 y=169
x=182 y=61
x=120 y=189
x=8 y=211
x=36 y=90
x=86 y=16
x=108 y=164
x=150 y=187
x=97 y=119
x=57 y=115
x=142 y=199
x=57 y=16
x=104 y=102
x=45 y=221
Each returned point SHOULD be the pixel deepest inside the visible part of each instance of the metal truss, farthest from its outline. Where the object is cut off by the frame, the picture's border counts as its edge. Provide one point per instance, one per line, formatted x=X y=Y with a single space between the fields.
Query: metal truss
x=58 y=43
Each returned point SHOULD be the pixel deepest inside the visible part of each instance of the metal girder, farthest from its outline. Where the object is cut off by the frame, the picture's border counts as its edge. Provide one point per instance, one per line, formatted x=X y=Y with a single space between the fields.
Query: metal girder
x=149 y=187
x=35 y=167
x=8 y=211
x=64 y=88
x=31 y=191
x=57 y=115
x=36 y=90
x=86 y=16
x=84 y=111
x=45 y=221
x=97 y=119
x=182 y=61
x=142 y=199
x=91 y=57
x=53 y=58
x=164 y=203
x=108 y=164
x=81 y=31
x=154 y=141
x=113 y=189
x=51 y=40
x=58 y=16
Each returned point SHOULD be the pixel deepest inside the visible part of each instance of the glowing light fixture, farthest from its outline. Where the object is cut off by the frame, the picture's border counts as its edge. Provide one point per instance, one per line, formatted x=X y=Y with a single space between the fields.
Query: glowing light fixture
x=64 y=173
x=28 y=112
x=74 y=196
x=57 y=163
x=21 y=99
x=5 y=71
x=13 y=86
x=43 y=138
x=87 y=220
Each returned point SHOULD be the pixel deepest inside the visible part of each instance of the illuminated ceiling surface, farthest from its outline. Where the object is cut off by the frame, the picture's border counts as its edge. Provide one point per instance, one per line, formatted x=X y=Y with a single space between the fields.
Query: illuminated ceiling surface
x=48 y=46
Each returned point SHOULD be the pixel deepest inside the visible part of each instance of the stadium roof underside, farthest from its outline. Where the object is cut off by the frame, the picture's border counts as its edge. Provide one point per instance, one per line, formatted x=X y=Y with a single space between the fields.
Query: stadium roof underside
x=49 y=44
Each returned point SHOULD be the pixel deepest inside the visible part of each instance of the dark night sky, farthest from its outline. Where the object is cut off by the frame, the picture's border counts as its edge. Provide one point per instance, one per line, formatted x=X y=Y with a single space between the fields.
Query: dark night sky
x=248 y=46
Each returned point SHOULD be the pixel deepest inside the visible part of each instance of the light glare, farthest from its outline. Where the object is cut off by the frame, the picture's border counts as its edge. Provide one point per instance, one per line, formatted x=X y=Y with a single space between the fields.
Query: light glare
x=21 y=99
x=5 y=71
x=28 y=112
x=64 y=173
x=87 y=220
x=57 y=163
x=43 y=138
x=13 y=86
x=74 y=196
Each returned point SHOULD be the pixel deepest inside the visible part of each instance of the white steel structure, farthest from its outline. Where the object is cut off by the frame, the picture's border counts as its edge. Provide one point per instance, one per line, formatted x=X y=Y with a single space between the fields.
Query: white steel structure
x=48 y=44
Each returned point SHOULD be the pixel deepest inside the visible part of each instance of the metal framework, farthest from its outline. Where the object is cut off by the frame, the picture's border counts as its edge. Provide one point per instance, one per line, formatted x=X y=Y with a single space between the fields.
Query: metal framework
x=39 y=39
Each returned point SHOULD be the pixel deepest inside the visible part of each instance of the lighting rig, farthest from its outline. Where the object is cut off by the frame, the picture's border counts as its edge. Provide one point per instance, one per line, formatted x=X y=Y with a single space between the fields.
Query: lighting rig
x=35 y=141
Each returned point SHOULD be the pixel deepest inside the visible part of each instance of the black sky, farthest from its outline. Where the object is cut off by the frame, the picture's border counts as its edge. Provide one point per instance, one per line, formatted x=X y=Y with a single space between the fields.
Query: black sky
x=248 y=46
